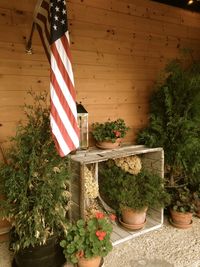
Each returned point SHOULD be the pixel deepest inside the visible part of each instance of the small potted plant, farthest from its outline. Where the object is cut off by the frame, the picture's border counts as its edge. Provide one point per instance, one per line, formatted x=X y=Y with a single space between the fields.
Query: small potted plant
x=131 y=193
x=109 y=134
x=87 y=242
x=181 y=207
x=196 y=197
x=34 y=181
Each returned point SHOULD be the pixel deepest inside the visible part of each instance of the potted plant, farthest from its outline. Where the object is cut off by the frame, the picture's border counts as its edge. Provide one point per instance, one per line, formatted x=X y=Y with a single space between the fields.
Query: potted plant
x=196 y=201
x=131 y=193
x=174 y=124
x=35 y=185
x=181 y=207
x=86 y=242
x=194 y=186
x=109 y=134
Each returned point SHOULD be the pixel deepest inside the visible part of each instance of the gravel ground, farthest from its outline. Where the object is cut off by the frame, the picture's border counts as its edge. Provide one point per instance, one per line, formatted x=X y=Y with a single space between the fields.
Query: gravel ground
x=166 y=247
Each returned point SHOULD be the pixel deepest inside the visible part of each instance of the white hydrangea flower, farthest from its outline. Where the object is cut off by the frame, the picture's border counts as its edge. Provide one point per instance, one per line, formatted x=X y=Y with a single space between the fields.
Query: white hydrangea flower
x=131 y=164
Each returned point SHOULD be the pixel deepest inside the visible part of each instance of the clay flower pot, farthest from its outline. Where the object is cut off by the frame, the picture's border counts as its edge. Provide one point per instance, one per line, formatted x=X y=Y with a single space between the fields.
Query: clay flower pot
x=181 y=219
x=109 y=144
x=133 y=219
x=93 y=262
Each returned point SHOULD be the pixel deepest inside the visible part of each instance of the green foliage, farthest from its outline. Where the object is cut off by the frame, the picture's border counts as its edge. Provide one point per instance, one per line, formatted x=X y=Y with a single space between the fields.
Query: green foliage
x=109 y=131
x=134 y=191
x=182 y=199
x=35 y=180
x=174 y=121
x=88 y=239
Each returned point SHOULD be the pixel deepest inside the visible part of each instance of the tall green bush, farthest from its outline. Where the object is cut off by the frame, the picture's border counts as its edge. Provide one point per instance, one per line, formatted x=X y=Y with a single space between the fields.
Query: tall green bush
x=35 y=180
x=174 y=121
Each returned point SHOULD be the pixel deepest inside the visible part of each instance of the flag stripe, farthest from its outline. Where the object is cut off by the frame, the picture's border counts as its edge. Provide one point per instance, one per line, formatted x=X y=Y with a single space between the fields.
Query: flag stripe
x=51 y=20
x=64 y=103
x=62 y=126
x=64 y=66
x=64 y=82
x=60 y=143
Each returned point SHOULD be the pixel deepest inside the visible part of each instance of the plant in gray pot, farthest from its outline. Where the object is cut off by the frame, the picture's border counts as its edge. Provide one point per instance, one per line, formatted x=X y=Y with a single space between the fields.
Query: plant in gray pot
x=35 y=185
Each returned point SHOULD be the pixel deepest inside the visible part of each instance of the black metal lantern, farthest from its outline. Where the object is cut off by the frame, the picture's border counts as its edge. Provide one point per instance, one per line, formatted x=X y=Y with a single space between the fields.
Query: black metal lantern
x=83 y=125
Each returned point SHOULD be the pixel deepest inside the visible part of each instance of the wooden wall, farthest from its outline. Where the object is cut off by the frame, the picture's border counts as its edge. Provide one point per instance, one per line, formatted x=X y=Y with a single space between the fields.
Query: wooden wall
x=119 y=48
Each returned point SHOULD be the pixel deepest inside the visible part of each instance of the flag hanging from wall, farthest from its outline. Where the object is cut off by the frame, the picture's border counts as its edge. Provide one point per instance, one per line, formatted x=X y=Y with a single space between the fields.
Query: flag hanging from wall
x=51 y=22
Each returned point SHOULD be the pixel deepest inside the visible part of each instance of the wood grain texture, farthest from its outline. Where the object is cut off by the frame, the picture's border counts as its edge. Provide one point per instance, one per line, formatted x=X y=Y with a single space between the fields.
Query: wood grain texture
x=119 y=48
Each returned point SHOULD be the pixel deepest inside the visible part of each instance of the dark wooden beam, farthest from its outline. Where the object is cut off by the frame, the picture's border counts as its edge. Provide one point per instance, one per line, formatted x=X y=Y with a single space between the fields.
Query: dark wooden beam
x=193 y=6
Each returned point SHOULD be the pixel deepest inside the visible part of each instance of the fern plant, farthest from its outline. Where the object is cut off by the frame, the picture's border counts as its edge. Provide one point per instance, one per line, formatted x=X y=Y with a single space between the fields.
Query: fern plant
x=35 y=180
x=174 y=121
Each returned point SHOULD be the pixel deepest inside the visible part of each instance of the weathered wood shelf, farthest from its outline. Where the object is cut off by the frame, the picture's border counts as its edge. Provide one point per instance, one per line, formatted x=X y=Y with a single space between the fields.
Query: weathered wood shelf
x=152 y=159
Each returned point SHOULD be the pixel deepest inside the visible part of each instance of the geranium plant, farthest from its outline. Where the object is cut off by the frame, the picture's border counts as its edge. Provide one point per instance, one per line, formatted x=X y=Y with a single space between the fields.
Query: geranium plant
x=88 y=239
x=109 y=131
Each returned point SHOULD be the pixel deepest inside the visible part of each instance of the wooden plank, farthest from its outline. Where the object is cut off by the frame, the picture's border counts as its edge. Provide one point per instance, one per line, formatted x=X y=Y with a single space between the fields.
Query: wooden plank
x=121 y=232
x=98 y=155
x=116 y=85
x=103 y=72
x=24 y=67
x=144 y=9
x=25 y=83
x=27 y=5
x=5 y=16
x=17 y=51
x=7 y=130
x=99 y=16
x=15 y=98
x=146 y=50
x=111 y=97
x=11 y=114
x=107 y=59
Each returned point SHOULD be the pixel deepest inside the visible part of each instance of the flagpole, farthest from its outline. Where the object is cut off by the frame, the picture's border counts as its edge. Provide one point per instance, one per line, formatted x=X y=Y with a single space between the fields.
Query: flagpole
x=29 y=43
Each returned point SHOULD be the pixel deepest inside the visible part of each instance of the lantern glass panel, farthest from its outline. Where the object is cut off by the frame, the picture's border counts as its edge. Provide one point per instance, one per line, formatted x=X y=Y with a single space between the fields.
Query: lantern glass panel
x=83 y=125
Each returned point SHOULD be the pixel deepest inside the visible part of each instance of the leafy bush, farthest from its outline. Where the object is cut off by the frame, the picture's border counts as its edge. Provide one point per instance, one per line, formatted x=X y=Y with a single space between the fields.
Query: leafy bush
x=121 y=188
x=35 y=180
x=174 y=121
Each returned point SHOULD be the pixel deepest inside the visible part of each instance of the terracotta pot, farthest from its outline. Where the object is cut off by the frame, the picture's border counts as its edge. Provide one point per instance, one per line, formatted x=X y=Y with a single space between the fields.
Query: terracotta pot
x=109 y=144
x=133 y=219
x=181 y=219
x=93 y=262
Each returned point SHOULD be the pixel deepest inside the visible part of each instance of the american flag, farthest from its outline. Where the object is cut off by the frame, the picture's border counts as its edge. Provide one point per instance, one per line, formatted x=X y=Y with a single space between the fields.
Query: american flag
x=51 y=21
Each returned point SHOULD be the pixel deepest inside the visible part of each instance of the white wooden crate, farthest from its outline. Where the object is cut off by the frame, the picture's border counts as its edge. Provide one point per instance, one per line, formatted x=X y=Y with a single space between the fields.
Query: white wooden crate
x=152 y=159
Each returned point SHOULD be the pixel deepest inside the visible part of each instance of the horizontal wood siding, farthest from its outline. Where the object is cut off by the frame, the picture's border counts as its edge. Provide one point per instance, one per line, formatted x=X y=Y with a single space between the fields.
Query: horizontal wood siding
x=118 y=47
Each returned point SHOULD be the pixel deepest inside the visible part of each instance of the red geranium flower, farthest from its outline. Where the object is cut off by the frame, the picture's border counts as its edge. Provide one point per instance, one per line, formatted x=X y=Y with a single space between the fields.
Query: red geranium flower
x=99 y=215
x=80 y=254
x=112 y=217
x=117 y=133
x=100 y=235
